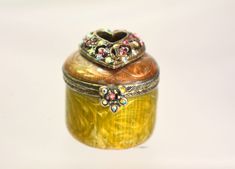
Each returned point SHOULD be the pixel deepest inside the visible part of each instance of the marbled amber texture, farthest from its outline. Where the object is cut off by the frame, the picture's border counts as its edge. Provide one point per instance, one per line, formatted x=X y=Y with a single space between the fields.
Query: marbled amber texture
x=80 y=68
x=97 y=126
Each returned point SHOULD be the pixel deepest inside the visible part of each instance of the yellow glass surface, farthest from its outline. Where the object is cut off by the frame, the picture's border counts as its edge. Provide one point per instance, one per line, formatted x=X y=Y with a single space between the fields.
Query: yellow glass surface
x=96 y=126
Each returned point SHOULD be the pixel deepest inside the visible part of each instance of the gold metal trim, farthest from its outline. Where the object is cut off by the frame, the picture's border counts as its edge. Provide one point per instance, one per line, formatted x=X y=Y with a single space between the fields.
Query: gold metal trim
x=92 y=89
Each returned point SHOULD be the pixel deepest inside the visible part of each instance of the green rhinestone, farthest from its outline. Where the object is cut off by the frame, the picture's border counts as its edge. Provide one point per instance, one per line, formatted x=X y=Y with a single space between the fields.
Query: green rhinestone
x=108 y=60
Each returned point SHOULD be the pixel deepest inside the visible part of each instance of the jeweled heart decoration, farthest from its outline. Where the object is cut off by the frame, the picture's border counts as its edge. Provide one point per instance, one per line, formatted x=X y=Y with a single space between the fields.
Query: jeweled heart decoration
x=112 y=49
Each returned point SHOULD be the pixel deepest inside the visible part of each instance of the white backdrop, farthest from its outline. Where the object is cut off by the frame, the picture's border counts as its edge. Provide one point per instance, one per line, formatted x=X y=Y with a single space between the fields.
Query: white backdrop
x=193 y=42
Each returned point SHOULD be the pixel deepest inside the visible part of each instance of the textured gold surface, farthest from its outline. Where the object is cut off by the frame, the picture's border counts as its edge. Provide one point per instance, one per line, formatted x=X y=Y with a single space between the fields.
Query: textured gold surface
x=97 y=126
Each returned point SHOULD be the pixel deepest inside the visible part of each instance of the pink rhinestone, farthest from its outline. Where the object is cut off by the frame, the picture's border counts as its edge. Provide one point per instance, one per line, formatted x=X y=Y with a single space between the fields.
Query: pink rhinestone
x=136 y=35
x=112 y=96
x=142 y=43
x=102 y=51
x=123 y=50
x=125 y=42
x=131 y=36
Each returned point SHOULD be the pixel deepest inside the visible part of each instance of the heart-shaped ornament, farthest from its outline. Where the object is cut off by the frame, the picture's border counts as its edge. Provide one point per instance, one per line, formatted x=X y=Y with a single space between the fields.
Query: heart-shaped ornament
x=112 y=49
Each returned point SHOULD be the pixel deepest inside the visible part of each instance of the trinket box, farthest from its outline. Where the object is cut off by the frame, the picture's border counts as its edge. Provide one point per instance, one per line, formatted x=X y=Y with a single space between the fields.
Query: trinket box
x=111 y=90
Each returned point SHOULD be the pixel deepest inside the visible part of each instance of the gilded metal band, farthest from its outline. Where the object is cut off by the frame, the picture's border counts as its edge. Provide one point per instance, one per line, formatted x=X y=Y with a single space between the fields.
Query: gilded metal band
x=92 y=89
x=112 y=49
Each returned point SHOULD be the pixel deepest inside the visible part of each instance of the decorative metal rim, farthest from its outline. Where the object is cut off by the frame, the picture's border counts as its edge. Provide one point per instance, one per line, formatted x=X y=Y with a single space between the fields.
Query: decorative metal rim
x=111 y=95
x=93 y=89
x=112 y=49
